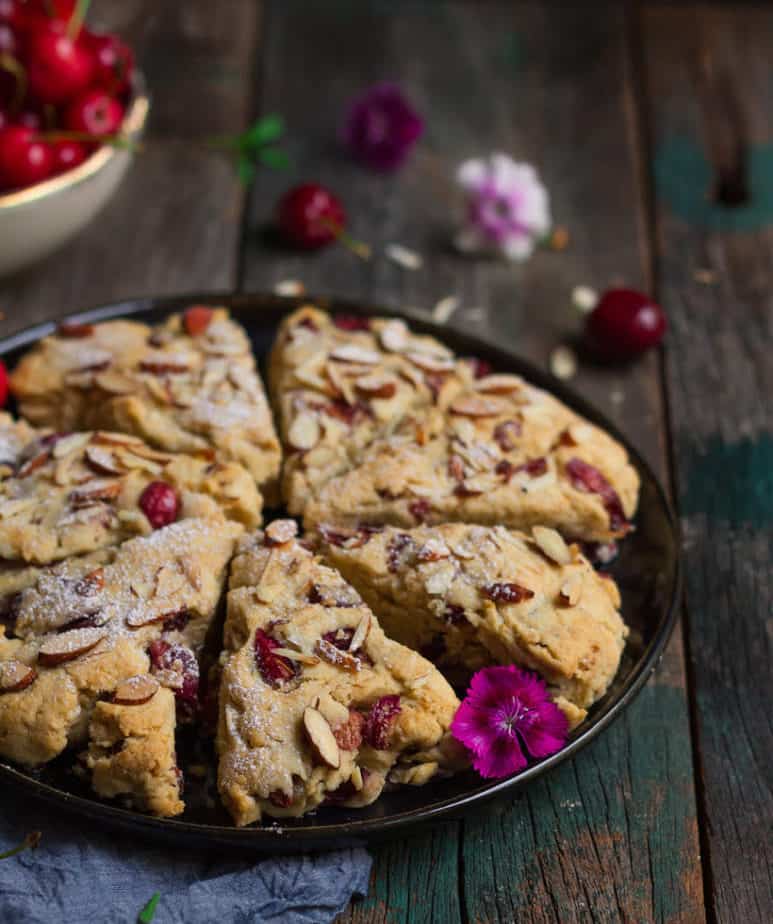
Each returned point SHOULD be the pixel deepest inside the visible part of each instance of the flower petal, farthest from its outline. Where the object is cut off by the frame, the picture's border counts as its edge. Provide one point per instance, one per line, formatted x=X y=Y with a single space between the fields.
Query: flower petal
x=518 y=248
x=472 y=173
x=503 y=757
x=546 y=734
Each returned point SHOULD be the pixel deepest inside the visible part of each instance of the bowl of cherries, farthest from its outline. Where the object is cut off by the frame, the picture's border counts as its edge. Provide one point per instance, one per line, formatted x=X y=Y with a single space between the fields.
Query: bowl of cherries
x=72 y=108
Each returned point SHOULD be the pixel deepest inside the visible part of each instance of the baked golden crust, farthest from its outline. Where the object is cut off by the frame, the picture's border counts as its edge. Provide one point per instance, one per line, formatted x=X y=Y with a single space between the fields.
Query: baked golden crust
x=445 y=447
x=293 y=729
x=478 y=595
x=75 y=494
x=179 y=393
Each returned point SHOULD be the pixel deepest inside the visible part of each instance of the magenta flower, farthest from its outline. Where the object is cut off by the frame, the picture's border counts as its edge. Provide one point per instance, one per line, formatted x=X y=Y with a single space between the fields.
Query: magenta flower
x=382 y=127
x=508 y=210
x=507 y=717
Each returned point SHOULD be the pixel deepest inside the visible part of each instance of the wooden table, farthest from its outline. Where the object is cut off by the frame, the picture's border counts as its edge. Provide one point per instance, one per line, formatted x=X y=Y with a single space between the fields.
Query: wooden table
x=652 y=126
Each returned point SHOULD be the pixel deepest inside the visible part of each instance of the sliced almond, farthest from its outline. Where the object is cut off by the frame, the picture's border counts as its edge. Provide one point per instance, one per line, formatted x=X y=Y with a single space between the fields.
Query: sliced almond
x=145 y=615
x=580 y=432
x=74 y=330
x=433 y=550
x=33 y=464
x=281 y=531
x=475 y=406
x=103 y=461
x=304 y=432
x=170 y=580
x=440 y=579
x=478 y=484
x=136 y=691
x=300 y=656
x=356 y=778
x=115 y=382
x=321 y=737
x=71 y=443
x=361 y=632
x=394 y=336
x=354 y=353
x=499 y=384
x=331 y=595
x=99 y=489
x=377 y=385
x=15 y=506
x=106 y=438
x=342 y=386
x=165 y=364
x=133 y=460
x=430 y=362
x=571 y=590
x=15 y=676
x=67 y=646
x=343 y=659
x=552 y=544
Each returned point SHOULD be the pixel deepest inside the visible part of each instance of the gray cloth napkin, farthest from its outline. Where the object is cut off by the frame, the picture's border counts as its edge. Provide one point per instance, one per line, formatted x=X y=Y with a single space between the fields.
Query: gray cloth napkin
x=80 y=874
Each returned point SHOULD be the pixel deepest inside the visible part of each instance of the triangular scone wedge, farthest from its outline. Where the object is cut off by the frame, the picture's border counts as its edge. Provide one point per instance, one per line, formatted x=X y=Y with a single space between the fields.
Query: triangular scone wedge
x=508 y=454
x=82 y=629
x=188 y=385
x=473 y=596
x=68 y=495
x=316 y=703
x=339 y=383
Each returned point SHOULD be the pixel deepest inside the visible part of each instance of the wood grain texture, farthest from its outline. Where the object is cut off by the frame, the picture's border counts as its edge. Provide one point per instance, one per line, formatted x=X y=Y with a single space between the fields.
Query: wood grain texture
x=720 y=378
x=612 y=836
x=174 y=224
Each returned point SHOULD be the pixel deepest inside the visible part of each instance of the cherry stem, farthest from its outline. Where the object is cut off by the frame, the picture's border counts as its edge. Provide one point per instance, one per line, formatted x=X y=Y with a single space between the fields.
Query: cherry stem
x=18 y=72
x=76 y=20
x=115 y=141
x=30 y=842
x=358 y=248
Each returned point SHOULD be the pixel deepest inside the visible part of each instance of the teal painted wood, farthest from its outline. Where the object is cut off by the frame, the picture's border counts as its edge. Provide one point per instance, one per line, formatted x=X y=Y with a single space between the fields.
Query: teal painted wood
x=720 y=379
x=613 y=835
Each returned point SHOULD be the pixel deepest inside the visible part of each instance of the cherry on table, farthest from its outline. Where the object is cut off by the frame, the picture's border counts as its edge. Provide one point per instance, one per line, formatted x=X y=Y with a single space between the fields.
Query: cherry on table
x=310 y=216
x=624 y=323
x=23 y=160
x=94 y=112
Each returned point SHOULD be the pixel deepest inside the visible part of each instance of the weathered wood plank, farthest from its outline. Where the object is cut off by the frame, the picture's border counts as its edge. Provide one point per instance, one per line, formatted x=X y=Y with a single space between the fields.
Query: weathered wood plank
x=174 y=224
x=613 y=836
x=710 y=101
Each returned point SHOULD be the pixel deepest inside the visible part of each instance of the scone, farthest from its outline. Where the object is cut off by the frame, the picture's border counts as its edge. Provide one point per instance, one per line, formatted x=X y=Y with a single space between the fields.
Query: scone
x=435 y=444
x=188 y=385
x=339 y=383
x=317 y=705
x=75 y=637
x=64 y=495
x=472 y=596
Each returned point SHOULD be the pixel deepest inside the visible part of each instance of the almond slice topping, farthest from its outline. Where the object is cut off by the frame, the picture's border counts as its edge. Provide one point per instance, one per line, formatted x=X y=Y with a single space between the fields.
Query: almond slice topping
x=103 y=461
x=343 y=659
x=281 y=531
x=394 y=336
x=499 y=384
x=13 y=507
x=136 y=691
x=475 y=406
x=71 y=443
x=294 y=655
x=97 y=490
x=552 y=544
x=321 y=737
x=354 y=353
x=67 y=646
x=361 y=633
x=304 y=432
x=377 y=386
x=115 y=382
x=15 y=676
x=431 y=362
x=340 y=383
x=571 y=590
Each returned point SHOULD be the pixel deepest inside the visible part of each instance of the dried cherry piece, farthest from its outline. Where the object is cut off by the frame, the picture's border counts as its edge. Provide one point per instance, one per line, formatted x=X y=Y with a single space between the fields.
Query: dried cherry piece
x=342 y=639
x=506 y=434
x=480 y=367
x=351 y=322
x=176 y=622
x=453 y=614
x=274 y=669
x=505 y=469
x=534 y=467
x=419 y=509
x=507 y=592
x=182 y=661
x=588 y=478
x=379 y=721
x=345 y=412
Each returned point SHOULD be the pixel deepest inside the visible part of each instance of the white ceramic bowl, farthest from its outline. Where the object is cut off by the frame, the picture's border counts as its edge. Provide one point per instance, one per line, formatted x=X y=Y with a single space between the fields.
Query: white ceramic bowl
x=39 y=219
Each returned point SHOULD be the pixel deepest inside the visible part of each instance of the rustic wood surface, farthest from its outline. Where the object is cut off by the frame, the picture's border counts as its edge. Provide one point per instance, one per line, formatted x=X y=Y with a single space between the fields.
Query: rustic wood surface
x=652 y=129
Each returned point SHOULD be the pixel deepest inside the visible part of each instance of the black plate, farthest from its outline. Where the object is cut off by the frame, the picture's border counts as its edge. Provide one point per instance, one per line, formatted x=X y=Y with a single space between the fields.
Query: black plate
x=647 y=571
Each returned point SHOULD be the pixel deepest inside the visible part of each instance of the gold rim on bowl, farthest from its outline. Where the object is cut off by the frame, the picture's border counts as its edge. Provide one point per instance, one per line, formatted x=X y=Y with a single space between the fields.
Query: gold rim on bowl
x=133 y=125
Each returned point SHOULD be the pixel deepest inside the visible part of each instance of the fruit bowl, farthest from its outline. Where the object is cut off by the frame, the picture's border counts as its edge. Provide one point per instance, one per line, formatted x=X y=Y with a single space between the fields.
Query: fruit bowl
x=38 y=220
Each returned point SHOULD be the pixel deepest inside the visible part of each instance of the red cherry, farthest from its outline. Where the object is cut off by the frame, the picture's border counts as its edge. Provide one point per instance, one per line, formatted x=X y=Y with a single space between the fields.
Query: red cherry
x=23 y=161
x=53 y=9
x=58 y=68
x=30 y=119
x=12 y=12
x=160 y=504
x=8 y=43
x=3 y=384
x=624 y=324
x=68 y=154
x=94 y=112
x=197 y=319
x=113 y=62
x=310 y=216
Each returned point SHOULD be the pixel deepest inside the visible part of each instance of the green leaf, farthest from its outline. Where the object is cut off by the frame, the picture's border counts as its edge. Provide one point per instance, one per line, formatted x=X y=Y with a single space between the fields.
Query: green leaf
x=275 y=158
x=246 y=170
x=149 y=911
x=264 y=131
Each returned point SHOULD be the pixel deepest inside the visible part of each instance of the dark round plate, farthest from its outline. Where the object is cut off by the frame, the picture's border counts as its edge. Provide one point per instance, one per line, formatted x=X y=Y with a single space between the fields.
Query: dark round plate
x=647 y=572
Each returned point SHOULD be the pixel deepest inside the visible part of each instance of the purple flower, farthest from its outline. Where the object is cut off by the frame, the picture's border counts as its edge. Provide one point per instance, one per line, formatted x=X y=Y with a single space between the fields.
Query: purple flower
x=507 y=207
x=382 y=127
x=507 y=717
